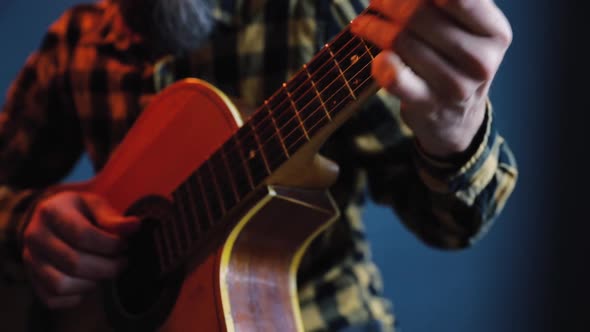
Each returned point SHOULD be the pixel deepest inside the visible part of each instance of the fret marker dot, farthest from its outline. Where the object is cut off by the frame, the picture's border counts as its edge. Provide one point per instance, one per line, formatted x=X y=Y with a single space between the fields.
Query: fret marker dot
x=252 y=154
x=354 y=59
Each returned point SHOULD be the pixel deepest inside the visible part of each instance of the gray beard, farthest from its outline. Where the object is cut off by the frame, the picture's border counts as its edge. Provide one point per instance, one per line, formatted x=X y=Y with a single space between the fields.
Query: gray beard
x=171 y=26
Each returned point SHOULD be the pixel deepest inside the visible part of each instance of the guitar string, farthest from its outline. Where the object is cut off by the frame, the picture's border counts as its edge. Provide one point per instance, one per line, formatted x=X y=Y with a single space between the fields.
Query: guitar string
x=261 y=147
x=169 y=252
x=317 y=95
x=321 y=108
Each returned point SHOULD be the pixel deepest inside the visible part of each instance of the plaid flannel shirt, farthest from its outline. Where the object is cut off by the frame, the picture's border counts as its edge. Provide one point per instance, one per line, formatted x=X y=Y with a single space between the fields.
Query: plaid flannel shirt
x=91 y=78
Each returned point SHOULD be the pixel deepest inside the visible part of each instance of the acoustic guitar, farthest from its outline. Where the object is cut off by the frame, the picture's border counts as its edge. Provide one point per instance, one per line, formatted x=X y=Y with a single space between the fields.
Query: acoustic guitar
x=225 y=222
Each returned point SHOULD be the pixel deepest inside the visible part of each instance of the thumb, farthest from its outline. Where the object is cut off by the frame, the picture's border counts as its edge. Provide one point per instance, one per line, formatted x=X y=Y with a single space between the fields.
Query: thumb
x=108 y=218
x=122 y=225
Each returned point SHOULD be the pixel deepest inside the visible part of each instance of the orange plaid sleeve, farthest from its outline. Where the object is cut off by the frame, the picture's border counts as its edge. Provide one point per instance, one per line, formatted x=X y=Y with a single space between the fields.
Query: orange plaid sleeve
x=40 y=137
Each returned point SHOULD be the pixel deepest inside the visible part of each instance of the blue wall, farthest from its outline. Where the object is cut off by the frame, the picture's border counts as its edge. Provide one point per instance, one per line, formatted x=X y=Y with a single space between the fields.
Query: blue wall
x=500 y=284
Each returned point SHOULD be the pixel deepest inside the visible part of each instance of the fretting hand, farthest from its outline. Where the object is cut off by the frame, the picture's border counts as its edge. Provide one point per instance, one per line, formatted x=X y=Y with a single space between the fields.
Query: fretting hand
x=440 y=64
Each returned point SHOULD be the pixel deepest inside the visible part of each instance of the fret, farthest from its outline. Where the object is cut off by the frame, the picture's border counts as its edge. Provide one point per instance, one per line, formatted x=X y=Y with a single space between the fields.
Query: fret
x=186 y=234
x=168 y=247
x=340 y=71
x=222 y=179
x=202 y=200
x=276 y=128
x=289 y=124
x=296 y=109
x=232 y=180
x=250 y=150
x=212 y=180
x=260 y=147
x=355 y=62
x=162 y=255
x=317 y=92
x=184 y=199
x=235 y=143
x=370 y=48
x=239 y=170
x=210 y=193
x=306 y=100
x=178 y=237
x=329 y=83
x=199 y=204
x=271 y=143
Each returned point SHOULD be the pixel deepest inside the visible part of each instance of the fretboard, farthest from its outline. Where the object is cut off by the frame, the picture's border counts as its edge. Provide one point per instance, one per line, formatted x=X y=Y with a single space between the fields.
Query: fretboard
x=316 y=95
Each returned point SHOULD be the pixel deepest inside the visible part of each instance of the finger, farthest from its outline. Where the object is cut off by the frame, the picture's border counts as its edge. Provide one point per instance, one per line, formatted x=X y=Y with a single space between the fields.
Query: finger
x=79 y=232
x=73 y=262
x=55 y=302
x=469 y=53
x=447 y=83
x=53 y=282
x=482 y=17
x=108 y=218
x=392 y=74
x=377 y=30
x=396 y=10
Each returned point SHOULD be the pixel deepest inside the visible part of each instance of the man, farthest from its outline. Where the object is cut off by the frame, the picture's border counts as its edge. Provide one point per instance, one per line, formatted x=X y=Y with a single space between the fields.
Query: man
x=443 y=168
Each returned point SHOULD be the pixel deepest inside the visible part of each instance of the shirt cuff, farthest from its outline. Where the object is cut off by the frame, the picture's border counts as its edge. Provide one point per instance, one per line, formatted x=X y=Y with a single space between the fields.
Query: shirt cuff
x=454 y=173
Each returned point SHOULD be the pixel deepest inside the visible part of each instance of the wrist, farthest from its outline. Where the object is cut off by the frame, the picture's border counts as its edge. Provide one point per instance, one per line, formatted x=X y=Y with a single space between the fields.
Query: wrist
x=454 y=139
x=454 y=161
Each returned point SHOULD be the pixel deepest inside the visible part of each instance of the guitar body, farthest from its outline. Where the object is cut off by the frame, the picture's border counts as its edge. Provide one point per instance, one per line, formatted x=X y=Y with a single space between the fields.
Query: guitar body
x=244 y=278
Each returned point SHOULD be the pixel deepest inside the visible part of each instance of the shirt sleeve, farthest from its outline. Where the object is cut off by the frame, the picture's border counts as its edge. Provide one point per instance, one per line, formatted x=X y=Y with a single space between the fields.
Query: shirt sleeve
x=446 y=203
x=40 y=138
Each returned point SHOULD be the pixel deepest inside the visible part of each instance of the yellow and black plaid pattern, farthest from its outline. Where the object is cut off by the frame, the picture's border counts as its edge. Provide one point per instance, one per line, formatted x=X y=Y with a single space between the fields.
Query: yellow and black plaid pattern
x=91 y=78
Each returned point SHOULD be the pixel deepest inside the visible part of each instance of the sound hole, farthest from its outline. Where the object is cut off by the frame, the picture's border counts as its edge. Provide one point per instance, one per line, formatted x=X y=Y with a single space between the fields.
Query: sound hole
x=142 y=296
x=141 y=285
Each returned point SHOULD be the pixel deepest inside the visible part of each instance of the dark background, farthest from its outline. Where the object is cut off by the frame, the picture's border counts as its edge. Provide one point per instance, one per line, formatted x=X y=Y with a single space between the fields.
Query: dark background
x=531 y=272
